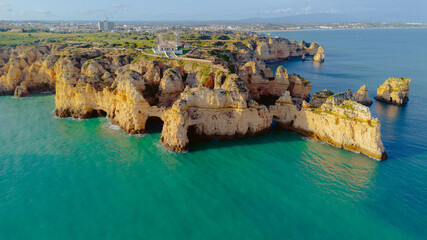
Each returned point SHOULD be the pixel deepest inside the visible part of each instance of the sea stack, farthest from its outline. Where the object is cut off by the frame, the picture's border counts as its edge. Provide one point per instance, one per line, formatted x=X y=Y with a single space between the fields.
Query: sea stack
x=394 y=90
x=362 y=96
x=320 y=55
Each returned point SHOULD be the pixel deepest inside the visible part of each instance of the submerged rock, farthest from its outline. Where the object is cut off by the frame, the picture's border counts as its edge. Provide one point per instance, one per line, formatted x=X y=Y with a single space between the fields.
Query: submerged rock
x=394 y=90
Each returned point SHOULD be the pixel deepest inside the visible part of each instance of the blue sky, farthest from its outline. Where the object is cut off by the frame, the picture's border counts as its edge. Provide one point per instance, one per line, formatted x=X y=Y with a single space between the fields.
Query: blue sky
x=374 y=10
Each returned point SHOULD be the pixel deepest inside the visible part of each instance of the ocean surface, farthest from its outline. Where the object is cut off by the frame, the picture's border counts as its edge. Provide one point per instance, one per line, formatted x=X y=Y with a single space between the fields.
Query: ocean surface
x=86 y=179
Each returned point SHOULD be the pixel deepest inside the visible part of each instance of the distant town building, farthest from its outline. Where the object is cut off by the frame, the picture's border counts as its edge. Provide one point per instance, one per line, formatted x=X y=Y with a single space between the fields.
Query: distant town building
x=165 y=46
x=16 y=30
x=105 y=26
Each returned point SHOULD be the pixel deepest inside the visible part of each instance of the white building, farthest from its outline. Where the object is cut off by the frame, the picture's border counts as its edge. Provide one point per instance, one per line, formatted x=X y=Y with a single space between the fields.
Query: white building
x=165 y=46
x=105 y=26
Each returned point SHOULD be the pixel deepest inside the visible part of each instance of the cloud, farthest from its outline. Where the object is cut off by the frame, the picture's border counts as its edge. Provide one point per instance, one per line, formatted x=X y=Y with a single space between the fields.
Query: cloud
x=43 y=12
x=333 y=10
x=299 y=11
x=120 y=7
x=36 y=14
x=117 y=5
x=279 y=11
x=4 y=5
x=282 y=10
x=306 y=10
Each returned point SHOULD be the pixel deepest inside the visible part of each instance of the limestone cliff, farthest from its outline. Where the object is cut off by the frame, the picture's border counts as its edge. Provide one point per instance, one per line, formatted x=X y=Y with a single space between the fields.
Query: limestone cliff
x=28 y=70
x=260 y=81
x=281 y=48
x=212 y=114
x=194 y=99
x=339 y=122
x=394 y=90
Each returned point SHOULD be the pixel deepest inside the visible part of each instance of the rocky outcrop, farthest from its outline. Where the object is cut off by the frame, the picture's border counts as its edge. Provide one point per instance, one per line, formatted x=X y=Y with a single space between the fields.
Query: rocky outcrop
x=281 y=48
x=212 y=114
x=38 y=68
x=27 y=70
x=394 y=90
x=21 y=91
x=339 y=122
x=320 y=98
x=320 y=55
x=300 y=87
x=195 y=99
x=260 y=82
x=362 y=96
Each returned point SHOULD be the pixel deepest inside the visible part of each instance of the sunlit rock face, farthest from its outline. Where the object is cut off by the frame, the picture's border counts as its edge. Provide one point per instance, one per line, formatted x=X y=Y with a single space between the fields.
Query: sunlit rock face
x=362 y=96
x=281 y=48
x=193 y=99
x=339 y=121
x=394 y=90
x=320 y=55
x=30 y=69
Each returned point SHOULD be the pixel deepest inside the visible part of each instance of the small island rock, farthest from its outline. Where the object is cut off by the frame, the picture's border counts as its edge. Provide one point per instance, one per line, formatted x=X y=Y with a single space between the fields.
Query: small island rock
x=362 y=96
x=320 y=55
x=394 y=90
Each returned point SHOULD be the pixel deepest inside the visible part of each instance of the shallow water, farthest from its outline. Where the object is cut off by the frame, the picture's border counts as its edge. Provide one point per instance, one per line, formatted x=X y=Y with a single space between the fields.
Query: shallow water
x=69 y=179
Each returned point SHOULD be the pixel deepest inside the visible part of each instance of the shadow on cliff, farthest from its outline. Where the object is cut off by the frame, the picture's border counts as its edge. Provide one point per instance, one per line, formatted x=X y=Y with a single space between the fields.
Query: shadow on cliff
x=276 y=134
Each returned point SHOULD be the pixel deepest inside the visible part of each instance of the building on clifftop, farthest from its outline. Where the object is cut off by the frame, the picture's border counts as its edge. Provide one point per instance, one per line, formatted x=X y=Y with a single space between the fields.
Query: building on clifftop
x=165 y=46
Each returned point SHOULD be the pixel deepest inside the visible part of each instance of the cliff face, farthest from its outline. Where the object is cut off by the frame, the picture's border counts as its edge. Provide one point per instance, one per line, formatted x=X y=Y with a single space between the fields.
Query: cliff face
x=280 y=48
x=212 y=114
x=193 y=99
x=339 y=122
x=394 y=90
x=260 y=82
x=225 y=111
x=27 y=69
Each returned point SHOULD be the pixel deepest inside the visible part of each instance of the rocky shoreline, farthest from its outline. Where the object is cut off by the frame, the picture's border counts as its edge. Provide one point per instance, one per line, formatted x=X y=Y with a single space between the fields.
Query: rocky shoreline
x=235 y=96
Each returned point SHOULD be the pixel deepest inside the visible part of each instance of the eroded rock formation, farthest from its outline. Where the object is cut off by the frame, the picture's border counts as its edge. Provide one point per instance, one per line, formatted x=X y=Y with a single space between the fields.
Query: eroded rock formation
x=234 y=99
x=362 y=96
x=28 y=69
x=340 y=121
x=320 y=55
x=394 y=90
x=320 y=98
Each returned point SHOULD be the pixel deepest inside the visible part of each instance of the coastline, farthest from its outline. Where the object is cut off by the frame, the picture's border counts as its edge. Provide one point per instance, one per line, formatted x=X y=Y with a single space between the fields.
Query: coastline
x=334 y=29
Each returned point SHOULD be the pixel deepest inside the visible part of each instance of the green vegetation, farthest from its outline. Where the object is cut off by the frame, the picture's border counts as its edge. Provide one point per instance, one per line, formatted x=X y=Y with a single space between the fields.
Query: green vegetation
x=317 y=111
x=221 y=54
x=136 y=56
x=118 y=40
x=348 y=105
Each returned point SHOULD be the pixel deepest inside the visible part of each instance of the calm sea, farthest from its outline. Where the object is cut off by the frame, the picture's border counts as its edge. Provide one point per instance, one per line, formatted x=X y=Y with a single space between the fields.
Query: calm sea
x=71 y=179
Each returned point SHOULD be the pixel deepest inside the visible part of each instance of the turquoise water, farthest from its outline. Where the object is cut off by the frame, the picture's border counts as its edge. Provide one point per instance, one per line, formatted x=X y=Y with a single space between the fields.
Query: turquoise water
x=70 y=179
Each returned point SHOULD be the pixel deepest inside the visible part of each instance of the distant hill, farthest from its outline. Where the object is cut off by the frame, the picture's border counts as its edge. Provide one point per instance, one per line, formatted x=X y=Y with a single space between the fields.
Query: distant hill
x=306 y=19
